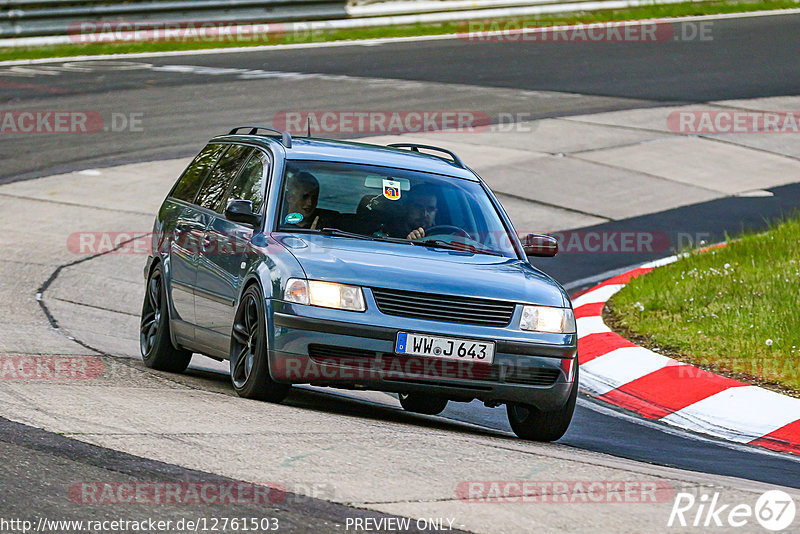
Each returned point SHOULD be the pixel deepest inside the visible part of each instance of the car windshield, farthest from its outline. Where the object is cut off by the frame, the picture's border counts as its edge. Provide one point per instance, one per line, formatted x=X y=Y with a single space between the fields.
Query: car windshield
x=370 y=202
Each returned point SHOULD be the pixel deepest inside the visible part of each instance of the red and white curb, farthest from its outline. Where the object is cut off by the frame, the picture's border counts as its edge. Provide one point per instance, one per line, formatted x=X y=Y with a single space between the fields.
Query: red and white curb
x=622 y=373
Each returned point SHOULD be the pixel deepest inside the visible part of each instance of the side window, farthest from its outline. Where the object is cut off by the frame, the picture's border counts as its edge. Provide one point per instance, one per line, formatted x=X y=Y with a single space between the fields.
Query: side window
x=251 y=184
x=189 y=183
x=215 y=187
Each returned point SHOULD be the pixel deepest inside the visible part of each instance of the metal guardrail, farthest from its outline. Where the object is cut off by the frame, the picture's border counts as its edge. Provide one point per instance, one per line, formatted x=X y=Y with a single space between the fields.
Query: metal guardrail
x=30 y=18
x=37 y=22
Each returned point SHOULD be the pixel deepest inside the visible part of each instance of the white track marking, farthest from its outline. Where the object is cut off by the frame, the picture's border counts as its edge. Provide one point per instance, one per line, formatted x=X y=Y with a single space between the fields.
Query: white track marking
x=591 y=325
x=605 y=409
x=601 y=294
x=619 y=367
x=741 y=414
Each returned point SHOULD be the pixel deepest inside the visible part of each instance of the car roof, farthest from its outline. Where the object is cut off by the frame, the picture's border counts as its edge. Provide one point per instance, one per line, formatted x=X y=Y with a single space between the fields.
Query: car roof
x=310 y=148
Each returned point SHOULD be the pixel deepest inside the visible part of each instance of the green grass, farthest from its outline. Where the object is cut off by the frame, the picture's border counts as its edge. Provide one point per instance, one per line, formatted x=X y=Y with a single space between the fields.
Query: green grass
x=642 y=12
x=733 y=310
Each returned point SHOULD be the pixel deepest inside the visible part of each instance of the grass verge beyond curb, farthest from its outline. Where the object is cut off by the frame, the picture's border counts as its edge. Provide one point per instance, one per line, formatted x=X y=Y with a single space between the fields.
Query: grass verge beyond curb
x=656 y=11
x=732 y=311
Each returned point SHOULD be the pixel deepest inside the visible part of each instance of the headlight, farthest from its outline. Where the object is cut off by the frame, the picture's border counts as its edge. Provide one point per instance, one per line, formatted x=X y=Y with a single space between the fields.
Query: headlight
x=325 y=294
x=546 y=319
x=296 y=291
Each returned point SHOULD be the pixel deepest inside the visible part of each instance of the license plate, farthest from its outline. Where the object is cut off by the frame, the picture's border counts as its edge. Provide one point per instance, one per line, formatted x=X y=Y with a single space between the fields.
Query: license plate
x=444 y=347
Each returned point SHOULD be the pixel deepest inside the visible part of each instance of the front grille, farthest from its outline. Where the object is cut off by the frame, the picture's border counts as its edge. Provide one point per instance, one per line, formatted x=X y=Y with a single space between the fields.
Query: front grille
x=443 y=307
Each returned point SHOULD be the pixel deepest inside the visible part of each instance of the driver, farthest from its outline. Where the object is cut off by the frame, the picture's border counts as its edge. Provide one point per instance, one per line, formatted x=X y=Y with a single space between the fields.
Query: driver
x=422 y=207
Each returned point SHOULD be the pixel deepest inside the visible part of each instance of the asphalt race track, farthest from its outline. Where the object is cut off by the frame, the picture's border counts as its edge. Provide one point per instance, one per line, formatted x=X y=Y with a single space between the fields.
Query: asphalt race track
x=747 y=58
x=183 y=100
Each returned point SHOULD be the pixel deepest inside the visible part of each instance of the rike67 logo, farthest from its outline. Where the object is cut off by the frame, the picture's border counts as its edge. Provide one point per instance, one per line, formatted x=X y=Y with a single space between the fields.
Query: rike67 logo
x=774 y=510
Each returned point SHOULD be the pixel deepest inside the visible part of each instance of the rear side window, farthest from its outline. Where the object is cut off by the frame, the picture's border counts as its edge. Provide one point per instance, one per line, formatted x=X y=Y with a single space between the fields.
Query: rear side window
x=251 y=184
x=213 y=191
x=189 y=183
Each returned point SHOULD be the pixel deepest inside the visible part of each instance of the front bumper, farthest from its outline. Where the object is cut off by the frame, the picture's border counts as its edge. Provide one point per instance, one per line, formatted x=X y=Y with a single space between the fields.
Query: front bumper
x=356 y=350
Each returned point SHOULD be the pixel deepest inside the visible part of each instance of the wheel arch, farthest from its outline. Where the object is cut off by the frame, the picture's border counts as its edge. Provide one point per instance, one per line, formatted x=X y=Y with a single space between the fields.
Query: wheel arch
x=251 y=280
x=155 y=263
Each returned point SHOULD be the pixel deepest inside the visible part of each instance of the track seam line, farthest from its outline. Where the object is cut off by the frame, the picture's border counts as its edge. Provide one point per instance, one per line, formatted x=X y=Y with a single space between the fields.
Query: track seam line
x=612 y=147
x=95 y=307
x=552 y=205
x=747 y=147
x=127 y=362
x=674 y=104
x=554 y=496
x=719 y=194
x=72 y=204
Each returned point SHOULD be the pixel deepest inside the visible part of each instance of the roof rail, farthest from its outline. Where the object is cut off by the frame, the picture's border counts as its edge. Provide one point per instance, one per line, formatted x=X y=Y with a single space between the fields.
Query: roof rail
x=286 y=138
x=415 y=148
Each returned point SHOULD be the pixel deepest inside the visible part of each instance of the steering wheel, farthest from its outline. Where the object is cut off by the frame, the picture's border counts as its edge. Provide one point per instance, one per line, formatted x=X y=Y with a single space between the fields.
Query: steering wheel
x=448 y=229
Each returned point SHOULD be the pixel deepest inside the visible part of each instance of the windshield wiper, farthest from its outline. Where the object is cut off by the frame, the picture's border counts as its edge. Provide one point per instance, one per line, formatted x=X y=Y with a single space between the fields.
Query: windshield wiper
x=341 y=233
x=438 y=243
x=392 y=239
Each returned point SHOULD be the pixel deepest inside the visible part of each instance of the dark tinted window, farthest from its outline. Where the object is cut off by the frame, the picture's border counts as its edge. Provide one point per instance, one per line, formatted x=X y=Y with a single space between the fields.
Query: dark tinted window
x=213 y=191
x=251 y=184
x=189 y=183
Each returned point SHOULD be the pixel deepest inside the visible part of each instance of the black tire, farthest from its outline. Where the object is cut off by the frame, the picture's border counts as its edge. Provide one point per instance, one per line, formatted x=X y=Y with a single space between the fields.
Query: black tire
x=419 y=403
x=248 y=356
x=155 y=341
x=528 y=422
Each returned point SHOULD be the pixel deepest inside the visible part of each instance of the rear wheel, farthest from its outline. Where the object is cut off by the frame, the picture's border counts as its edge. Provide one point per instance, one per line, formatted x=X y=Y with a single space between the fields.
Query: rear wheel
x=419 y=403
x=528 y=422
x=248 y=356
x=155 y=341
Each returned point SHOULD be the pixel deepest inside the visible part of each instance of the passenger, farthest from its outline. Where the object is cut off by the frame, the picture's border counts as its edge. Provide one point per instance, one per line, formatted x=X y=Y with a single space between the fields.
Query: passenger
x=302 y=194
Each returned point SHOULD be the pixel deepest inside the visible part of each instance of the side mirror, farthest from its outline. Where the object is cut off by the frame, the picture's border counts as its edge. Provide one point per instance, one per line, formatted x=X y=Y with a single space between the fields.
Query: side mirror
x=241 y=211
x=540 y=245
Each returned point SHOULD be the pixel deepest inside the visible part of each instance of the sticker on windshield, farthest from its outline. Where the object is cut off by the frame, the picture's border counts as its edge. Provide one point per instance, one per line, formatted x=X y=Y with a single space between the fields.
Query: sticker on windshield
x=391 y=189
x=293 y=218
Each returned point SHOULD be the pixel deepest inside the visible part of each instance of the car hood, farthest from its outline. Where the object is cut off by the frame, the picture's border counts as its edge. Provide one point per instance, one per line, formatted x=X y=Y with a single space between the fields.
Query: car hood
x=412 y=268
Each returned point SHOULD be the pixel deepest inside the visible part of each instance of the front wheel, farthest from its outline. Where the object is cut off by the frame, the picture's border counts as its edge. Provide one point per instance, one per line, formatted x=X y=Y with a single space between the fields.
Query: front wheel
x=528 y=422
x=428 y=405
x=155 y=341
x=248 y=355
